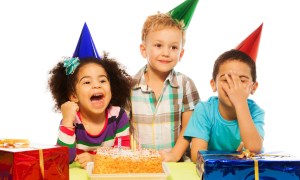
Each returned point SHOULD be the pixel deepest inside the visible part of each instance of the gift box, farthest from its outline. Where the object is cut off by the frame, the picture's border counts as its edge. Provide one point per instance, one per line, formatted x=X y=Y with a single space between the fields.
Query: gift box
x=213 y=165
x=34 y=162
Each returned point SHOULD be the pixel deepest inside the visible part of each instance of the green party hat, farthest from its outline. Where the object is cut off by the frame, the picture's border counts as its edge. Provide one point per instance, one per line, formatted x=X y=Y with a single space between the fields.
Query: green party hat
x=184 y=12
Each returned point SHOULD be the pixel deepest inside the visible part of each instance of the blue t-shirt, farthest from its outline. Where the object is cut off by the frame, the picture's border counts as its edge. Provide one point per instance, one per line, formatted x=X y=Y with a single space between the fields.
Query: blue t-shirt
x=207 y=123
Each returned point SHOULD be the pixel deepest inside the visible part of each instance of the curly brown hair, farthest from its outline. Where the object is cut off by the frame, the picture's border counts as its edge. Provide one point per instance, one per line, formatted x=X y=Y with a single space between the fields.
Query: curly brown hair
x=161 y=21
x=62 y=86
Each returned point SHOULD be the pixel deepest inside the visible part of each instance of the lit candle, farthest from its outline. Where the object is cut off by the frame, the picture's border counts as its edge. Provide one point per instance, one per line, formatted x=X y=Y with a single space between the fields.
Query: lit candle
x=140 y=145
x=119 y=143
x=132 y=142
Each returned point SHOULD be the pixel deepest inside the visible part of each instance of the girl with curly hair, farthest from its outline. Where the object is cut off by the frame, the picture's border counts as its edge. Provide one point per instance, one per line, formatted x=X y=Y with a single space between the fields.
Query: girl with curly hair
x=91 y=94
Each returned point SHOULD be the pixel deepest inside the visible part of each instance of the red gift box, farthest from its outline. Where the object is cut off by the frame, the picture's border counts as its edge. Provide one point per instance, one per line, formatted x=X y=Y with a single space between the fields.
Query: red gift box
x=34 y=162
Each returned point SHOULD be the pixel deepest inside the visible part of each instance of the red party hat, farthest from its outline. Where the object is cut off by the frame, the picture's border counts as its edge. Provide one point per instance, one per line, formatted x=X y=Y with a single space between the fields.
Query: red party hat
x=250 y=45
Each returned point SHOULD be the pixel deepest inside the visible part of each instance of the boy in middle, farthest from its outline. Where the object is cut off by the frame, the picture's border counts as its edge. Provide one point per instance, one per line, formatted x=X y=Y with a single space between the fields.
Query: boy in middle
x=163 y=100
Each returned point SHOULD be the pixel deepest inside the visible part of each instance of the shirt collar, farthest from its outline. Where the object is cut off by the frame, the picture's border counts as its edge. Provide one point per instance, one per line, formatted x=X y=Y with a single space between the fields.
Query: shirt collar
x=141 y=80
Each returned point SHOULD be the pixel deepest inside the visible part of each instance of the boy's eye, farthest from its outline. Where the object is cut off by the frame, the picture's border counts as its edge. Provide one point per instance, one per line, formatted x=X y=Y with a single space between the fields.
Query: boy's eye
x=174 y=47
x=223 y=79
x=244 y=80
x=157 y=45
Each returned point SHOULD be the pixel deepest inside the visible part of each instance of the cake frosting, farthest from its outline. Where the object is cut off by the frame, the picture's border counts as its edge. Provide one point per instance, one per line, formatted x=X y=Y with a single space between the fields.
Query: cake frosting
x=120 y=160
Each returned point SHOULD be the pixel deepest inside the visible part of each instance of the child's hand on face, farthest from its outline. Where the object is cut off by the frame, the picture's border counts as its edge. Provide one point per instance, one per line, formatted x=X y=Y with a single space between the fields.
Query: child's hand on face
x=69 y=110
x=84 y=158
x=236 y=89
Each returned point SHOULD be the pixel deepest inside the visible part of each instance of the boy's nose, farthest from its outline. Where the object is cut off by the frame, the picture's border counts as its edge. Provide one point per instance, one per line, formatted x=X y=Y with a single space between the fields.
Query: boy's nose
x=166 y=51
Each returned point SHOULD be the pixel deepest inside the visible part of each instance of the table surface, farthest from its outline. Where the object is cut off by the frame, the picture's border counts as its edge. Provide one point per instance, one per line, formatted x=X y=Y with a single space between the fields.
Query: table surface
x=178 y=171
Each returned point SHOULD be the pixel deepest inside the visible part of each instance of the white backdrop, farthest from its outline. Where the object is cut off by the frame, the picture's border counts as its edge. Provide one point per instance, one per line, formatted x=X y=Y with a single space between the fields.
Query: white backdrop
x=34 y=35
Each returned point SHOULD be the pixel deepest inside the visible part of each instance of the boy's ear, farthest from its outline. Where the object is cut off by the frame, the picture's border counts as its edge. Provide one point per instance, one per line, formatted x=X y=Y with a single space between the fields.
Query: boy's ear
x=181 y=54
x=143 y=50
x=254 y=87
x=213 y=85
x=73 y=98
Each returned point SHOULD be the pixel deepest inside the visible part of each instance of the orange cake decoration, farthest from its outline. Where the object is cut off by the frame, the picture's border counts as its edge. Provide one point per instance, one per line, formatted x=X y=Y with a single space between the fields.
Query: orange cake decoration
x=120 y=160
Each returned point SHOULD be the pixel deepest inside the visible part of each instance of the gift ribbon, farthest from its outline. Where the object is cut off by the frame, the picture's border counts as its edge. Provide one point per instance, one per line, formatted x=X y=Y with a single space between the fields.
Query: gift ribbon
x=23 y=143
x=14 y=143
x=247 y=154
x=41 y=157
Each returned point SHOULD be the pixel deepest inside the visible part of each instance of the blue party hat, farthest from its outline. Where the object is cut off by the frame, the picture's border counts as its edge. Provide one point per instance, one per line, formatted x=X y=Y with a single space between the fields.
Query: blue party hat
x=85 y=46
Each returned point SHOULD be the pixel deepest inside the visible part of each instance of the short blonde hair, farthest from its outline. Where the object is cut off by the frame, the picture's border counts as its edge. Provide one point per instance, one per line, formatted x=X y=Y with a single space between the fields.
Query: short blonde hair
x=161 y=21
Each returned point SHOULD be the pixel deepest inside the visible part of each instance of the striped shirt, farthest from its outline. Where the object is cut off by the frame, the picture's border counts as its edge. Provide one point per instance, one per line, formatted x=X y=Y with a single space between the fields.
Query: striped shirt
x=79 y=141
x=156 y=123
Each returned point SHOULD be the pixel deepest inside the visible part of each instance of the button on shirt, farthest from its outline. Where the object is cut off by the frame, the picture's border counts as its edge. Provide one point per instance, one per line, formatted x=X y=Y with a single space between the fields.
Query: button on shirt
x=156 y=123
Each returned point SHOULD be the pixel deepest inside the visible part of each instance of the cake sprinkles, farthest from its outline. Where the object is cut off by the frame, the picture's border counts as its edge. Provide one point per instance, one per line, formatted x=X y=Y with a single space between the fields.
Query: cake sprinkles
x=116 y=160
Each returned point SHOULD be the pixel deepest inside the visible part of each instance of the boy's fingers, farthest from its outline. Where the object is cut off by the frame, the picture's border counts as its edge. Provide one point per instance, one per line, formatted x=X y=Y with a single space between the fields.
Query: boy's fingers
x=235 y=79
x=241 y=146
x=224 y=87
x=229 y=81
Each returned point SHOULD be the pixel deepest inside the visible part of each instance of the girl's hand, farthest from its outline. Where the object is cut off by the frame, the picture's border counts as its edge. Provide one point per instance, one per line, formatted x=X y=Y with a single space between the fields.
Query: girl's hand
x=84 y=158
x=69 y=110
x=238 y=90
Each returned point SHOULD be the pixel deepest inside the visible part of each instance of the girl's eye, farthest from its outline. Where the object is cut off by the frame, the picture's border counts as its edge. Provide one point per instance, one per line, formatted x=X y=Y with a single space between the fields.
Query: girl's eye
x=103 y=81
x=86 y=82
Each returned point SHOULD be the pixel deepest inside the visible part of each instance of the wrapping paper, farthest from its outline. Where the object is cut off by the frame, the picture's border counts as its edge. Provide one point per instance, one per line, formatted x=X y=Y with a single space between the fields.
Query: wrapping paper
x=213 y=165
x=34 y=162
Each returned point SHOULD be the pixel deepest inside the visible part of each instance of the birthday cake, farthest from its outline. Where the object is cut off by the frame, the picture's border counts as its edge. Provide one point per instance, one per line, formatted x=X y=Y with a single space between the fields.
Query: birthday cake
x=120 y=160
